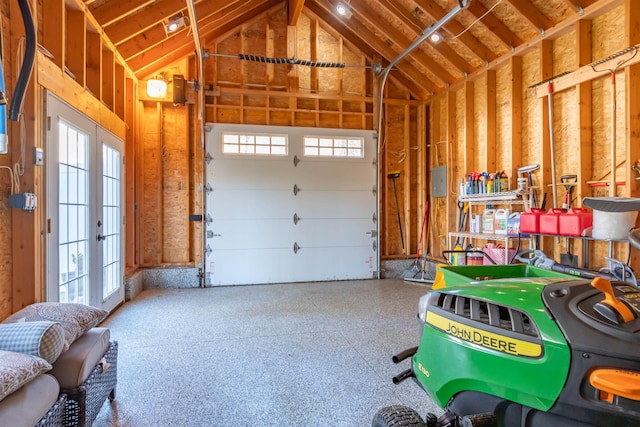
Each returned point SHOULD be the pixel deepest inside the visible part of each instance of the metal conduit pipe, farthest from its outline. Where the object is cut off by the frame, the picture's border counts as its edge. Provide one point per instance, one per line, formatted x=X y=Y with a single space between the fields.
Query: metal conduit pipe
x=382 y=79
x=26 y=69
x=202 y=273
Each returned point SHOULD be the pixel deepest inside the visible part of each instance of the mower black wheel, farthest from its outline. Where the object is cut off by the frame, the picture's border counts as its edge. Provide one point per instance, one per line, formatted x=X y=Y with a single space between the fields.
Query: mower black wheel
x=397 y=416
x=479 y=420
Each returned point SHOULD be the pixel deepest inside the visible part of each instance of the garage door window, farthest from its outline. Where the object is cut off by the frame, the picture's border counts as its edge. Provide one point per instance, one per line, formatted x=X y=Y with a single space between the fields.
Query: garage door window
x=333 y=147
x=254 y=144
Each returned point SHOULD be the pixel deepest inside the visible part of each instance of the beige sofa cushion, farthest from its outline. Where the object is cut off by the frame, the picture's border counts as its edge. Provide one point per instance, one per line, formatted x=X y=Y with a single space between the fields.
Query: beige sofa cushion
x=17 y=369
x=74 y=365
x=27 y=405
x=75 y=319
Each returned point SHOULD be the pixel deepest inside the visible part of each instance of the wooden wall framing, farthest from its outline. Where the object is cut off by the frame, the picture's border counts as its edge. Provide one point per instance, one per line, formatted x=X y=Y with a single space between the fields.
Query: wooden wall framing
x=502 y=124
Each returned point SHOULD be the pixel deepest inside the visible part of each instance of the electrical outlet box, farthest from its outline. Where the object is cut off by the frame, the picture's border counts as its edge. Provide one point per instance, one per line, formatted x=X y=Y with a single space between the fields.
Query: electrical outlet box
x=26 y=201
x=38 y=156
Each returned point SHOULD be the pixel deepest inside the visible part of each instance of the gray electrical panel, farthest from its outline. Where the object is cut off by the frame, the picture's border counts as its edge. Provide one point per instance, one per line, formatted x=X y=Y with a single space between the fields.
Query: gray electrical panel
x=439 y=181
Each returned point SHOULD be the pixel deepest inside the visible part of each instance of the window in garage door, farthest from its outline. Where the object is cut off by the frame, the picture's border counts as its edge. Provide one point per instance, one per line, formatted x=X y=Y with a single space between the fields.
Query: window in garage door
x=284 y=209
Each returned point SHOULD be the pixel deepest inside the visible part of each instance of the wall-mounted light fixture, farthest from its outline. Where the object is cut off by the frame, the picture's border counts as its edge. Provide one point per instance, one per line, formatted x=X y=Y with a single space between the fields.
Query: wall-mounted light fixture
x=343 y=9
x=175 y=23
x=156 y=88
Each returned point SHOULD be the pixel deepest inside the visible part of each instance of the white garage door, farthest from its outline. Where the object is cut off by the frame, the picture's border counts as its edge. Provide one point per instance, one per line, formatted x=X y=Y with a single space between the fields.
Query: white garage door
x=279 y=212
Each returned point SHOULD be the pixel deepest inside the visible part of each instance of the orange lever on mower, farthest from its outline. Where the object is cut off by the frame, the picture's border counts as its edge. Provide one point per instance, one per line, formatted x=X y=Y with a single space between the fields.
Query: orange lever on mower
x=616 y=382
x=624 y=313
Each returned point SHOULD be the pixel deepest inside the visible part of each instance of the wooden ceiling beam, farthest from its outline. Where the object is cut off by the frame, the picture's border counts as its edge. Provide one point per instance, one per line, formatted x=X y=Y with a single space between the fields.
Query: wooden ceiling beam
x=138 y=22
x=496 y=26
x=142 y=19
x=531 y=14
x=156 y=34
x=114 y=10
x=364 y=40
x=295 y=9
x=173 y=49
x=138 y=44
x=456 y=30
x=450 y=55
x=361 y=10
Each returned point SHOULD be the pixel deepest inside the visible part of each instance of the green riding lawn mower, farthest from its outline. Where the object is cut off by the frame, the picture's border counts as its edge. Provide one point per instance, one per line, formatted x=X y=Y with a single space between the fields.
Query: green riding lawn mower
x=522 y=345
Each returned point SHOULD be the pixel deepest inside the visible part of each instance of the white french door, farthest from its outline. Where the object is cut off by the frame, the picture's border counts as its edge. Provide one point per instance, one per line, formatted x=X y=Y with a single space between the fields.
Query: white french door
x=85 y=262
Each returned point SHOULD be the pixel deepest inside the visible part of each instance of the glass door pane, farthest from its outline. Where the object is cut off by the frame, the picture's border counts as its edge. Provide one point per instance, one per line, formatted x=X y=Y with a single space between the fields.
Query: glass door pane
x=73 y=214
x=111 y=214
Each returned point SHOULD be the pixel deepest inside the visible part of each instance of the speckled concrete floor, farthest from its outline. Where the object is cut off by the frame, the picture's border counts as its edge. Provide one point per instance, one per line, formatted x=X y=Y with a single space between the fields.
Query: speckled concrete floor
x=304 y=354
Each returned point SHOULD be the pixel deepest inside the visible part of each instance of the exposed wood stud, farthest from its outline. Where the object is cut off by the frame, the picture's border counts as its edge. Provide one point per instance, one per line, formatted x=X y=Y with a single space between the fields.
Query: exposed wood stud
x=632 y=97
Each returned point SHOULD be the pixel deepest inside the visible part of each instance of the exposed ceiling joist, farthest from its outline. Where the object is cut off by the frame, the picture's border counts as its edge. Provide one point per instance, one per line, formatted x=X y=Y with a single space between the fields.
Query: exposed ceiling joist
x=170 y=51
x=400 y=41
x=456 y=30
x=410 y=76
x=109 y=12
x=411 y=21
x=377 y=29
x=295 y=9
x=493 y=24
x=531 y=14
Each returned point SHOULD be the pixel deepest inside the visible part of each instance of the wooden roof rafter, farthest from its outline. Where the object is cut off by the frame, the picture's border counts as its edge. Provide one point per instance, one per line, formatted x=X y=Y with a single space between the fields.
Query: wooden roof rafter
x=493 y=24
x=115 y=10
x=295 y=9
x=531 y=14
x=362 y=38
x=456 y=30
x=449 y=54
x=207 y=13
x=182 y=45
x=400 y=40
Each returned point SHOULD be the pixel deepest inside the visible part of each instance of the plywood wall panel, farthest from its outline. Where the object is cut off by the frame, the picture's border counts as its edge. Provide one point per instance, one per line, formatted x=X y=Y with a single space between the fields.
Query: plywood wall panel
x=565 y=114
x=304 y=41
x=480 y=131
x=607 y=33
x=254 y=42
x=329 y=50
x=5 y=250
x=504 y=108
x=531 y=117
x=394 y=154
x=280 y=118
x=151 y=216
x=228 y=115
x=175 y=179
x=277 y=40
x=458 y=168
x=229 y=70
x=353 y=78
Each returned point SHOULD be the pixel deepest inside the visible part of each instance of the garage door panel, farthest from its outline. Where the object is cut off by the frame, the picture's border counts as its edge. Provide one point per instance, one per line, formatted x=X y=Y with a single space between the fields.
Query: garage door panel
x=253 y=234
x=338 y=232
x=348 y=204
x=335 y=264
x=244 y=267
x=335 y=175
x=252 y=174
x=251 y=204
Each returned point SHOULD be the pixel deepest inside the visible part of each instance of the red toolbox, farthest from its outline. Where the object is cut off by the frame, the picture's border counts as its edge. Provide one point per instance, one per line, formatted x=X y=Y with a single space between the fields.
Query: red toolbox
x=575 y=221
x=550 y=221
x=530 y=221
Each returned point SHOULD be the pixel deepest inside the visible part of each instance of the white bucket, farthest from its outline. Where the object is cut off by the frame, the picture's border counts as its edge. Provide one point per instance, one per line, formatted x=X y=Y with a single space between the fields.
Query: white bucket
x=612 y=225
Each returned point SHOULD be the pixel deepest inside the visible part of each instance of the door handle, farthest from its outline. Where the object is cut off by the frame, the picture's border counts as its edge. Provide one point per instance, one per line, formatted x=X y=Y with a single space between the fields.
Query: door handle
x=101 y=237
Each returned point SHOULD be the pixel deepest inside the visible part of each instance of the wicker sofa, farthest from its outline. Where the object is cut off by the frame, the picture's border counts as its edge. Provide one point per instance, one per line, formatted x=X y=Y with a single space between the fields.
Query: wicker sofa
x=70 y=366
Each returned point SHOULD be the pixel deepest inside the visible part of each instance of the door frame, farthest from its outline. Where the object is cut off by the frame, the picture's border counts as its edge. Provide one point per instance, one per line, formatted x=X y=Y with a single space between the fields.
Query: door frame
x=56 y=108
